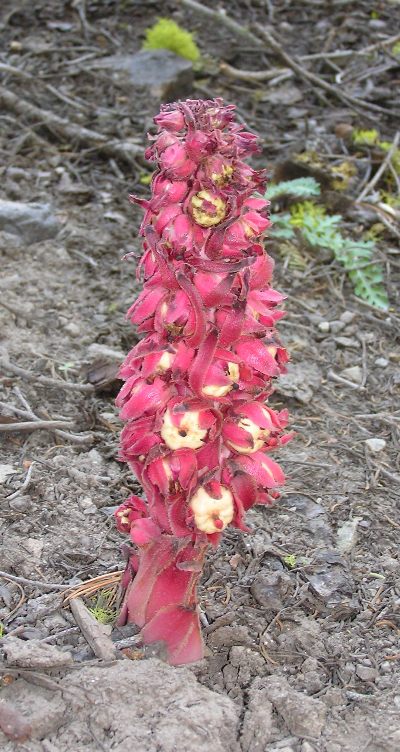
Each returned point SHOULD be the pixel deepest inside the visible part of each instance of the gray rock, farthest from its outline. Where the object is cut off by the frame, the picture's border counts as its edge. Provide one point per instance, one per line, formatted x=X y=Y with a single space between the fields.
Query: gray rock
x=303 y=715
x=269 y=589
x=300 y=382
x=366 y=673
x=347 y=317
x=337 y=326
x=381 y=362
x=34 y=654
x=5 y=471
x=347 y=535
x=32 y=222
x=354 y=374
x=165 y=75
x=375 y=445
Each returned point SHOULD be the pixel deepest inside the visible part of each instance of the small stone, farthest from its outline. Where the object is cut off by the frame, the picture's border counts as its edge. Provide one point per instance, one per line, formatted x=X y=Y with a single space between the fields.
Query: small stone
x=270 y=588
x=347 y=316
x=5 y=471
x=20 y=504
x=354 y=374
x=375 y=445
x=306 y=747
x=165 y=75
x=347 y=535
x=381 y=362
x=348 y=342
x=227 y=637
x=32 y=222
x=324 y=326
x=337 y=326
x=366 y=673
x=72 y=329
x=86 y=502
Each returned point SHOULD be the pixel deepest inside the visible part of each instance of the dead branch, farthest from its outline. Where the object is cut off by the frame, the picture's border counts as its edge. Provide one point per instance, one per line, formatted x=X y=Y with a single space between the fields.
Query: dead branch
x=386 y=163
x=292 y=63
x=43 y=380
x=95 y=634
x=124 y=150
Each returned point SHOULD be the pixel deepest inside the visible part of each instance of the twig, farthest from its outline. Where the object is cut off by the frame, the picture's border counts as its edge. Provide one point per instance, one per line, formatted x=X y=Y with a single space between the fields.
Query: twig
x=44 y=380
x=222 y=18
x=340 y=380
x=124 y=150
x=386 y=162
x=24 y=485
x=292 y=63
x=32 y=425
x=94 y=632
x=36 y=583
x=84 y=438
x=245 y=75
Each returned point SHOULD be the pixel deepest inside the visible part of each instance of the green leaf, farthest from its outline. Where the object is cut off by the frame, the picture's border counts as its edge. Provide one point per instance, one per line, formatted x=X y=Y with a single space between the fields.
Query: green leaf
x=299 y=188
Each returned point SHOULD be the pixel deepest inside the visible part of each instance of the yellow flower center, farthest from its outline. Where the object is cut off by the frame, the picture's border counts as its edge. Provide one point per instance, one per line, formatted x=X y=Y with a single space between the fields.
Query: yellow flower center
x=208 y=209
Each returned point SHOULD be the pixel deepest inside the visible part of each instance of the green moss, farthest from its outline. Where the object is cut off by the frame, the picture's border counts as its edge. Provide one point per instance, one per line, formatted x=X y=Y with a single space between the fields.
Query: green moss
x=168 y=35
x=365 y=138
x=396 y=49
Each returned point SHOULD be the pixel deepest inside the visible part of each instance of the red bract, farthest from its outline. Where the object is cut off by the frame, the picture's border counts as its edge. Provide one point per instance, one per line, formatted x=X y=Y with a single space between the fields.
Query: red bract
x=198 y=430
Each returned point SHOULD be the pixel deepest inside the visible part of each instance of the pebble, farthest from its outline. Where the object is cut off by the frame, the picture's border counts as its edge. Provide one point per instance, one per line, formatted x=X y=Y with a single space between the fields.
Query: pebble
x=347 y=342
x=347 y=535
x=381 y=362
x=72 y=329
x=354 y=374
x=366 y=673
x=337 y=326
x=163 y=74
x=32 y=222
x=5 y=471
x=324 y=326
x=375 y=445
x=347 y=317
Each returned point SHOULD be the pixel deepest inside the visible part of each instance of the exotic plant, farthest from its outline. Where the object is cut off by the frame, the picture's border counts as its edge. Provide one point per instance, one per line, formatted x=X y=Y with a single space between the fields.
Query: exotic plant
x=198 y=432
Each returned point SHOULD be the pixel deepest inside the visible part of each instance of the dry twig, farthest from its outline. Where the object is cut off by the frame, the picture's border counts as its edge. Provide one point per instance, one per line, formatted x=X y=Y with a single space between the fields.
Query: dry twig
x=43 y=380
x=124 y=150
x=96 y=634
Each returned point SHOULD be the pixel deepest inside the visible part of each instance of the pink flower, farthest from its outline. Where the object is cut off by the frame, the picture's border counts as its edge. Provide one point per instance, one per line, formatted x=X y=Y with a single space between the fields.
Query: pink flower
x=199 y=430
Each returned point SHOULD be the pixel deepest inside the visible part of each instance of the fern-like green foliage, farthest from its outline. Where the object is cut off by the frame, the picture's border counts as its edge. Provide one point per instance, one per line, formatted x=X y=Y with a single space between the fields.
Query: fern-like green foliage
x=321 y=230
x=168 y=35
x=299 y=188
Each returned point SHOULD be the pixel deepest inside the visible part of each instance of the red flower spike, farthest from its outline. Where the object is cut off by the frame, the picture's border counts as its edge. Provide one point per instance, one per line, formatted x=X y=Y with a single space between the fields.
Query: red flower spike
x=198 y=430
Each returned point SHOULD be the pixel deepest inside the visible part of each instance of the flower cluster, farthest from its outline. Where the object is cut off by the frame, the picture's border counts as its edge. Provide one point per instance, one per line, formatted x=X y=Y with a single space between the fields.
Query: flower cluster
x=198 y=431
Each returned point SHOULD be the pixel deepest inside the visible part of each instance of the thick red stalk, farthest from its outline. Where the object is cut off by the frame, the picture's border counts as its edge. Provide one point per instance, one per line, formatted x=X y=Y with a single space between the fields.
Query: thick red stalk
x=198 y=429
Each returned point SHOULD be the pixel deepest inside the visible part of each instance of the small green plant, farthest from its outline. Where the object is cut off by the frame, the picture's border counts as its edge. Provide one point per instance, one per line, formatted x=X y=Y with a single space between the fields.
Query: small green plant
x=290 y=560
x=168 y=35
x=365 y=138
x=318 y=229
x=2 y=629
x=102 y=609
x=299 y=188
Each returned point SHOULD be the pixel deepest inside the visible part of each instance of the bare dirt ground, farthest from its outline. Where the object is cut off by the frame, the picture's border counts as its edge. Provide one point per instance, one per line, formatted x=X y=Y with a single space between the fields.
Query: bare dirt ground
x=302 y=616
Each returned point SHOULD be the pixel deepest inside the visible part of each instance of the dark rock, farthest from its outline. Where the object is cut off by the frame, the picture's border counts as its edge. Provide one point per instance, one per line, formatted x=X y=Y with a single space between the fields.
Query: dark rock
x=32 y=222
x=165 y=75
x=270 y=589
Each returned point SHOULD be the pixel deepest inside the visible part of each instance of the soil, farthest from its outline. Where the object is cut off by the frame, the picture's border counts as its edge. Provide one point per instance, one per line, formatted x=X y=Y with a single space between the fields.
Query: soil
x=301 y=616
